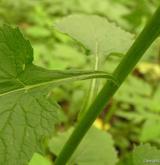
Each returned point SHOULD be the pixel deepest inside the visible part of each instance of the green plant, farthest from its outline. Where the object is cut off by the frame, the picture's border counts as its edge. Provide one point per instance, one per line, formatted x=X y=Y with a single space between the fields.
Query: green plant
x=27 y=110
x=124 y=68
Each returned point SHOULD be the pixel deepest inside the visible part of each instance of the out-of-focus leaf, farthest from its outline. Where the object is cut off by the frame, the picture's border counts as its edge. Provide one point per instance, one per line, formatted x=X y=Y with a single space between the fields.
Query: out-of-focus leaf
x=144 y=154
x=150 y=130
x=38 y=159
x=127 y=160
x=95 y=148
x=96 y=33
x=38 y=31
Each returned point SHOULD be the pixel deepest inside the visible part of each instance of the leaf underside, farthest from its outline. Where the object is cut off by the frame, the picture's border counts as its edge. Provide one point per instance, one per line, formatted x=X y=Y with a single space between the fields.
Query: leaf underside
x=96 y=33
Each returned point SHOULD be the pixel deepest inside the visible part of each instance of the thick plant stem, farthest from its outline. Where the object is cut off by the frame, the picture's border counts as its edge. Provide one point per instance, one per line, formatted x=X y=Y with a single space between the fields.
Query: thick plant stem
x=142 y=43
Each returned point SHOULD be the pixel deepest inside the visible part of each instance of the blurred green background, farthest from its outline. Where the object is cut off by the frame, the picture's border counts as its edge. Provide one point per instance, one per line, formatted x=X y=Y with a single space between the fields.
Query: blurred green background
x=136 y=106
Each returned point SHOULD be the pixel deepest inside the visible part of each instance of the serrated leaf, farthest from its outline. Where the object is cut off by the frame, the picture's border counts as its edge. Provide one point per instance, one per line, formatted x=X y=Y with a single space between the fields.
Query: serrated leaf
x=96 y=33
x=142 y=155
x=95 y=148
x=27 y=114
x=146 y=154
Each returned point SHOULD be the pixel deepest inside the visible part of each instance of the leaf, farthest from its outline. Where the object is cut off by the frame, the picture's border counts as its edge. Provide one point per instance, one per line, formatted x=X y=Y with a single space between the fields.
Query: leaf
x=38 y=31
x=127 y=160
x=150 y=130
x=144 y=154
x=69 y=57
x=27 y=113
x=135 y=95
x=96 y=33
x=95 y=148
x=38 y=159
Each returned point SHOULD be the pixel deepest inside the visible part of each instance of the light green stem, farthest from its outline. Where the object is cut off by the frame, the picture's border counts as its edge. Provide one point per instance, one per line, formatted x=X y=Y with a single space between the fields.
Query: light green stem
x=93 y=89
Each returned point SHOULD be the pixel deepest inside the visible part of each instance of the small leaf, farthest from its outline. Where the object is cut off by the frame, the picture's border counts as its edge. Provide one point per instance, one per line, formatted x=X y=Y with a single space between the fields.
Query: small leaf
x=96 y=33
x=96 y=148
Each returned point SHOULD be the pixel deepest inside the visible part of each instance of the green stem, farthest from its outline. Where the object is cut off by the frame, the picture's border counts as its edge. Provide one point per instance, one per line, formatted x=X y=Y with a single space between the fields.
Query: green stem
x=142 y=43
x=93 y=88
